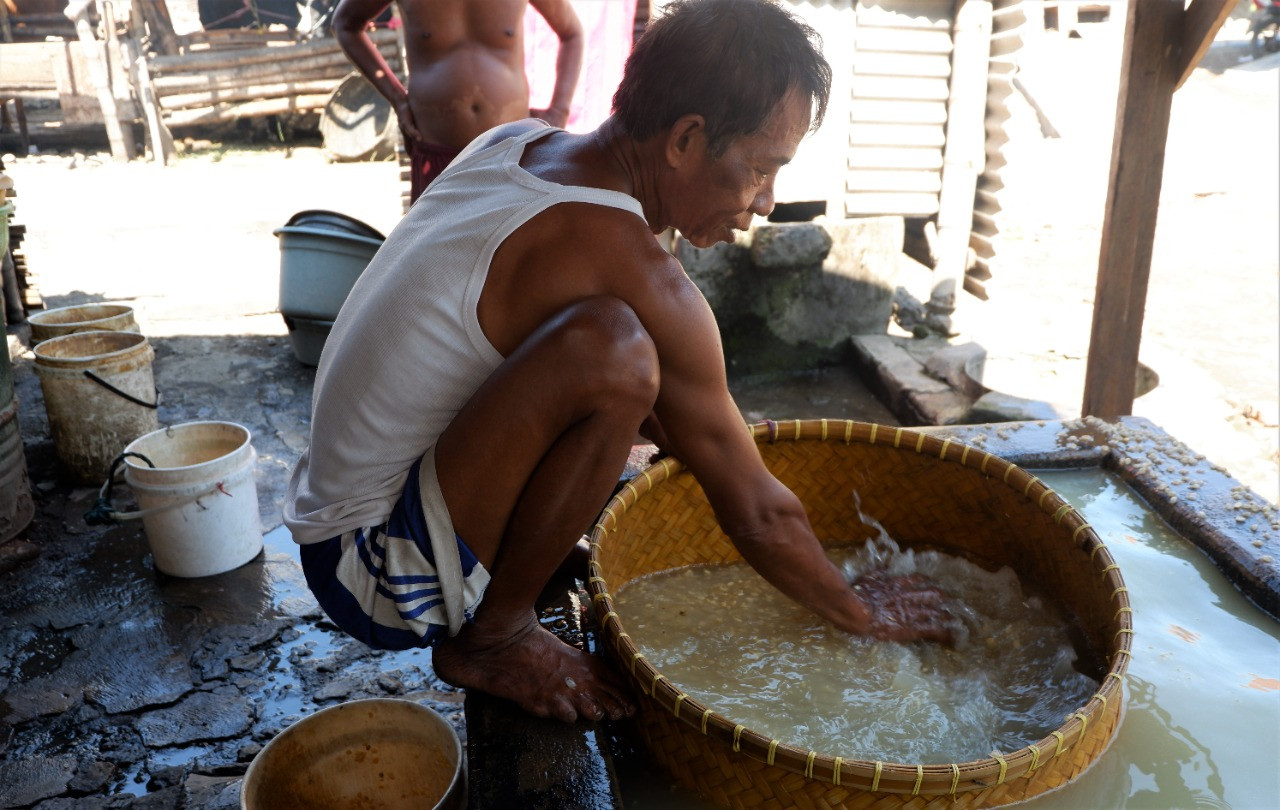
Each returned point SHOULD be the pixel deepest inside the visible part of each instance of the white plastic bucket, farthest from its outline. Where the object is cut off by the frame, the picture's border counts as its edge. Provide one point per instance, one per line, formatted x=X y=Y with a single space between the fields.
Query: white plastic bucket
x=100 y=395
x=199 y=504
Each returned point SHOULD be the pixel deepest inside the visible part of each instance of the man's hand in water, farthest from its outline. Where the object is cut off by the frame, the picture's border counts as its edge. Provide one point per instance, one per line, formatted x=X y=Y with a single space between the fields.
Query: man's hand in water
x=905 y=608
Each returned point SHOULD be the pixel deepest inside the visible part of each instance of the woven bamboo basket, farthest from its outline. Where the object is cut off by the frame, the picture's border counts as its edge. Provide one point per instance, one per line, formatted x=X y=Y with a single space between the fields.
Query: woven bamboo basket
x=926 y=492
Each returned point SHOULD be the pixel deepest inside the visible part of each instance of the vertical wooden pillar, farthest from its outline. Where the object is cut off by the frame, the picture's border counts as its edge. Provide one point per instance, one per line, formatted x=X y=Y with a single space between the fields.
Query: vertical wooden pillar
x=1149 y=74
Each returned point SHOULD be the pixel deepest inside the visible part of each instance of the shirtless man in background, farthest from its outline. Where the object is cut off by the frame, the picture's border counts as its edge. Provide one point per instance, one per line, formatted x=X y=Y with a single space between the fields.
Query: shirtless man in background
x=466 y=70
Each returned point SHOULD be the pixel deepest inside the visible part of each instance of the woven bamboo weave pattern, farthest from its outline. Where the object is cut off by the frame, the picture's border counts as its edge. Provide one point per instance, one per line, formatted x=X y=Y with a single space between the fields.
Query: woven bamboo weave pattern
x=926 y=493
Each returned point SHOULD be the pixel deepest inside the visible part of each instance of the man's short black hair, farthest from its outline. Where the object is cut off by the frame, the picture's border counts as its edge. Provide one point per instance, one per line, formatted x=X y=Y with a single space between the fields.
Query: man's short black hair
x=730 y=61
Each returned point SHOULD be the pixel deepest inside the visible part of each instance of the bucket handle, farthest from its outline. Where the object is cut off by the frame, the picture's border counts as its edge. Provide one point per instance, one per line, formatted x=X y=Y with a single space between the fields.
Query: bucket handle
x=124 y=394
x=101 y=513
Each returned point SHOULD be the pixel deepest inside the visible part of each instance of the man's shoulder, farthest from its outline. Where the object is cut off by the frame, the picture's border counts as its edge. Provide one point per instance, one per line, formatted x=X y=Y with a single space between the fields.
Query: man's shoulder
x=509 y=130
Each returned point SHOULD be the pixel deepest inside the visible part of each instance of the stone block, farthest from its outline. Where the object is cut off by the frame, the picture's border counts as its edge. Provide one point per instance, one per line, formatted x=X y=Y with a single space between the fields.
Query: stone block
x=789 y=244
x=997 y=407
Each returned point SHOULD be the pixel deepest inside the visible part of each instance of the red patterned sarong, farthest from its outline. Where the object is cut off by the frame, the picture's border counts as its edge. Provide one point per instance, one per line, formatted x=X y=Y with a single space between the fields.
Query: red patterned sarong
x=426 y=161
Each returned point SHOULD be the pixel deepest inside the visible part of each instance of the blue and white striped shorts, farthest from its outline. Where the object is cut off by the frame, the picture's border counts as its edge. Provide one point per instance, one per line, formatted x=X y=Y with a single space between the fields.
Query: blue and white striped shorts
x=379 y=584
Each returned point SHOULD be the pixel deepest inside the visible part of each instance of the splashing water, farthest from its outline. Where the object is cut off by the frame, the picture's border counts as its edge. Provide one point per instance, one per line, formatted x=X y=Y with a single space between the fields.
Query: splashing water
x=737 y=645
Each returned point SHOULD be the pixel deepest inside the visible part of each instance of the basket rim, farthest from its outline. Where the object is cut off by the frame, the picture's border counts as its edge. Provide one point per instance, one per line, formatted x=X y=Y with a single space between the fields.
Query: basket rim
x=875 y=775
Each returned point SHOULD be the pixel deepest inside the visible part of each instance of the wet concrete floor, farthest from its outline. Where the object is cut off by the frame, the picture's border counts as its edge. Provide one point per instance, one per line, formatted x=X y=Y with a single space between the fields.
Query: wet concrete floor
x=121 y=686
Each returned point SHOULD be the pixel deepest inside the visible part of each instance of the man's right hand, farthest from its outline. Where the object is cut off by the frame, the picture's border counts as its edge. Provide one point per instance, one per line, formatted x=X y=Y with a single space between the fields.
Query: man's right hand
x=905 y=607
x=408 y=126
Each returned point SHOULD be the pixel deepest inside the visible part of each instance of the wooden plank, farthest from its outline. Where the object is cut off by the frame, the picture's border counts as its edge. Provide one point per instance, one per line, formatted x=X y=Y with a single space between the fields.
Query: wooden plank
x=893 y=204
x=905 y=88
x=1200 y=25
x=231 y=112
x=281 y=71
x=902 y=64
x=29 y=65
x=963 y=157
x=897 y=135
x=235 y=95
x=158 y=137
x=193 y=85
x=210 y=60
x=222 y=62
x=1148 y=75
x=889 y=157
x=122 y=143
x=155 y=14
x=888 y=180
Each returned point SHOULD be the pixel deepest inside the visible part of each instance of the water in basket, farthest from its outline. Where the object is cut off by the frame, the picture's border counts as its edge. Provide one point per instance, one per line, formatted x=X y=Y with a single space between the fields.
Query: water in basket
x=736 y=644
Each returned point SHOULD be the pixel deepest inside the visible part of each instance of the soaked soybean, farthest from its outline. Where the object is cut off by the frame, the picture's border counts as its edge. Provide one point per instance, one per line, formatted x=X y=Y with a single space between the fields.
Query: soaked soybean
x=738 y=646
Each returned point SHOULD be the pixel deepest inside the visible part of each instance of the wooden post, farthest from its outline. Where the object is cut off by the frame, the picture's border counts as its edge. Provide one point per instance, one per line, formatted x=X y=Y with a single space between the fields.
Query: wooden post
x=158 y=136
x=156 y=15
x=1202 y=21
x=6 y=31
x=1149 y=73
x=122 y=145
x=964 y=156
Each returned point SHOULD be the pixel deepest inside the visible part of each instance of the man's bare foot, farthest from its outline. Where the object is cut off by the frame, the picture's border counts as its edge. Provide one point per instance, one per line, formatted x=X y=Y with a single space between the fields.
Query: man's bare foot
x=534 y=669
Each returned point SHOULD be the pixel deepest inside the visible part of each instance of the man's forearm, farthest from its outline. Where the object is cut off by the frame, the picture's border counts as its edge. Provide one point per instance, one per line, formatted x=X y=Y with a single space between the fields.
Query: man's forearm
x=360 y=49
x=568 y=70
x=787 y=554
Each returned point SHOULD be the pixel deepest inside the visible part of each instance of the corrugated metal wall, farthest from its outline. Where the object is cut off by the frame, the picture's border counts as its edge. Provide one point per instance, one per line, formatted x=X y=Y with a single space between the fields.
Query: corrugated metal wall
x=1007 y=30
x=898 y=107
x=887 y=119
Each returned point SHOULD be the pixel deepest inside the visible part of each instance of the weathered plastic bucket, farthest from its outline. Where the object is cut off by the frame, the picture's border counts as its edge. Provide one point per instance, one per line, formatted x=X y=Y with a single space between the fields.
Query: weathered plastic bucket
x=388 y=753
x=199 y=503
x=99 y=394
x=6 y=208
x=16 y=505
x=54 y=323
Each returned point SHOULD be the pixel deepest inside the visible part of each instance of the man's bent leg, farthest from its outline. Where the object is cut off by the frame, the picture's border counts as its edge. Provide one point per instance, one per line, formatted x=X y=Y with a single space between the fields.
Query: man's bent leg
x=524 y=468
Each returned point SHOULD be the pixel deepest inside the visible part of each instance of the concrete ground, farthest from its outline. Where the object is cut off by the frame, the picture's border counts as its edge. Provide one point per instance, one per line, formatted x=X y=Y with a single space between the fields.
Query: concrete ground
x=120 y=687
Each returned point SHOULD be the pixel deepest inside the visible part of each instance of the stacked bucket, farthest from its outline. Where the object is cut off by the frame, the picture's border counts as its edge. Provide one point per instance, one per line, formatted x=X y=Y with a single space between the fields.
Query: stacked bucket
x=194 y=482
x=16 y=506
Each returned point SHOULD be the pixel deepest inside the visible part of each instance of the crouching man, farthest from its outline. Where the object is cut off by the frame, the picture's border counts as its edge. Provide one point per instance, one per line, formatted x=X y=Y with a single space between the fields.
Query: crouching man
x=484 y=383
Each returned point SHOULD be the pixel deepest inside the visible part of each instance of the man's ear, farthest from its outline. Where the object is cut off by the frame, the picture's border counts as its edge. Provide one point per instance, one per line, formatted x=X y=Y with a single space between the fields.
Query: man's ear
x=687 y=137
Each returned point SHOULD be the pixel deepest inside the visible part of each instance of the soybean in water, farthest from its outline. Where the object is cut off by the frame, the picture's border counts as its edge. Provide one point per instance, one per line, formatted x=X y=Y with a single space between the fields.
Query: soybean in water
x=740 y=647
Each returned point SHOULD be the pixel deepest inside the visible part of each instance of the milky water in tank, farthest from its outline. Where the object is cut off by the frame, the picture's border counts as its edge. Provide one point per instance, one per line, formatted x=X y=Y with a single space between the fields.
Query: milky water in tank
x=737 y=645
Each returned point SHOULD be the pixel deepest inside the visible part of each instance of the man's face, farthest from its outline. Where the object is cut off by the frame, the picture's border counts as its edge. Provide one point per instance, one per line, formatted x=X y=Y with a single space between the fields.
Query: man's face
x=718 y=195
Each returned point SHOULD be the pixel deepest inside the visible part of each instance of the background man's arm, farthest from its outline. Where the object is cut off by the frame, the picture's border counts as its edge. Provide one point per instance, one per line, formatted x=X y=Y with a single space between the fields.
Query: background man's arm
x=351 y=21
x=562 y=19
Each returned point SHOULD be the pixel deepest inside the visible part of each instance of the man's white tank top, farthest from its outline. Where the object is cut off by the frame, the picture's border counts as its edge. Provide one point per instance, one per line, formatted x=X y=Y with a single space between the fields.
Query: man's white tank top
x=406 y=351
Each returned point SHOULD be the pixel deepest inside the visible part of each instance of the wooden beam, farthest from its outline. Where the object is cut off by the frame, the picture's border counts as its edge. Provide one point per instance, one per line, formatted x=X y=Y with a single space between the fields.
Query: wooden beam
x=1148 y=75
x=123 y=147
x=1200 y=25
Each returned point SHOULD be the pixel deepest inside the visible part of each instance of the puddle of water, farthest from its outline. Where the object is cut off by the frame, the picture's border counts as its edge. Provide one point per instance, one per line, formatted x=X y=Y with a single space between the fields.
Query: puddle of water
x=1202 y=708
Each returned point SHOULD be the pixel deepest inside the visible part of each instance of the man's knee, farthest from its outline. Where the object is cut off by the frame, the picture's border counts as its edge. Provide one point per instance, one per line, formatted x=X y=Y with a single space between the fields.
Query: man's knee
x=607 y=337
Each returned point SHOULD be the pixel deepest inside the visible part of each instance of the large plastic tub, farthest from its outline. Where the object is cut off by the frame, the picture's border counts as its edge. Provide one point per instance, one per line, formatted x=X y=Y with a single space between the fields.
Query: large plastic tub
x=322 y=253
x=318 y=268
